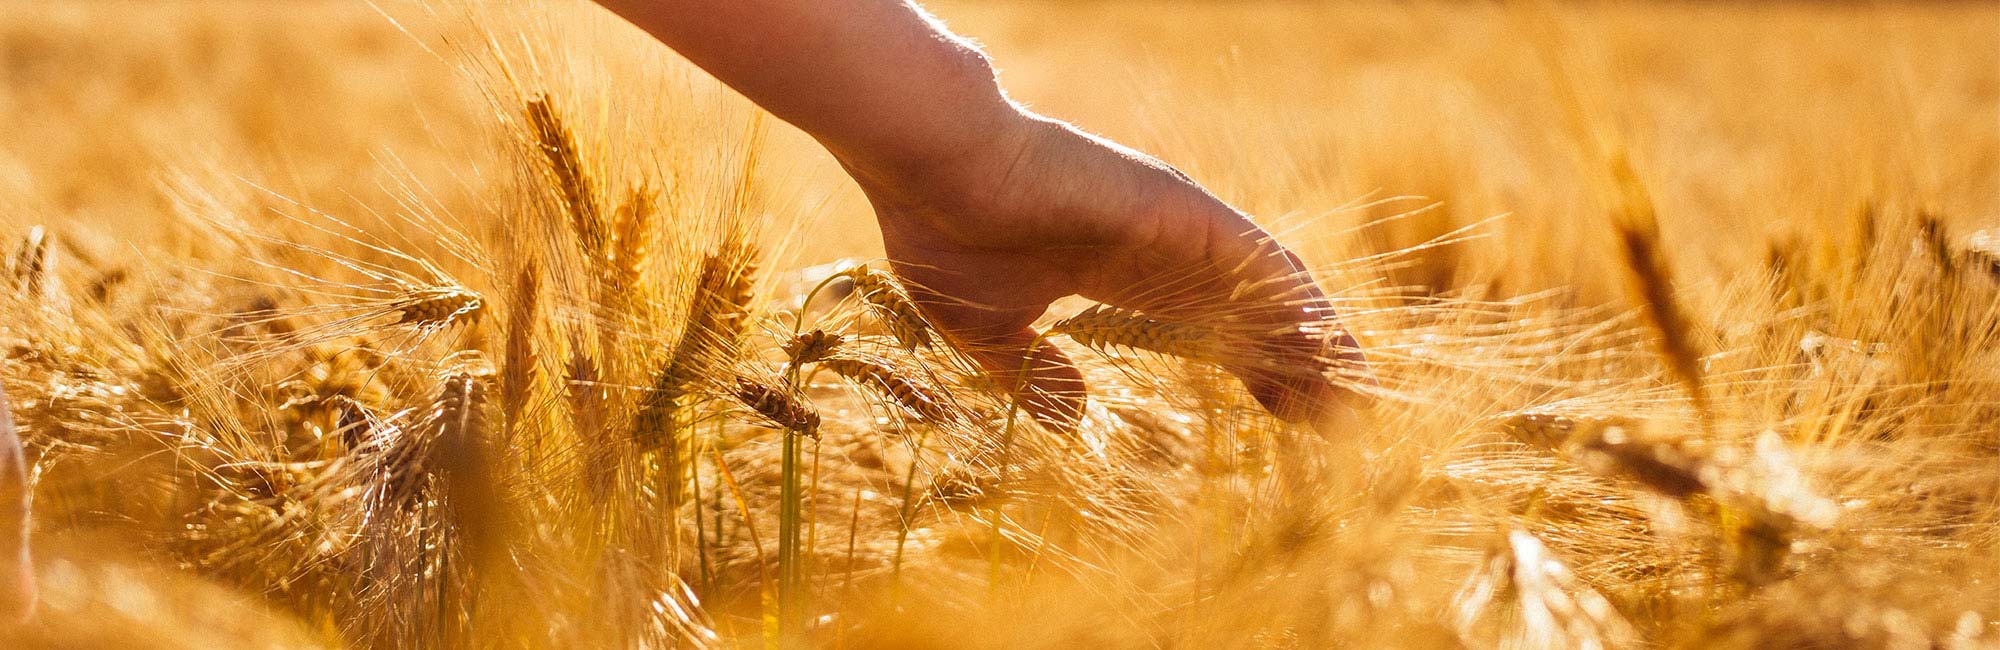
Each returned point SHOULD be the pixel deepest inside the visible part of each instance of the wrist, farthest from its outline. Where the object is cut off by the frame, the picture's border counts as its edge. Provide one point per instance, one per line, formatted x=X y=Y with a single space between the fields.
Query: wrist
x=962 y=113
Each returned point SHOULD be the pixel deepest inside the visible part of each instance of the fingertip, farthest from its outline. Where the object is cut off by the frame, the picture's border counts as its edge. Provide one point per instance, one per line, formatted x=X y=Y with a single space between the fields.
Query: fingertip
x=1294 y=399
x=1056 y=394
x=1052 y=390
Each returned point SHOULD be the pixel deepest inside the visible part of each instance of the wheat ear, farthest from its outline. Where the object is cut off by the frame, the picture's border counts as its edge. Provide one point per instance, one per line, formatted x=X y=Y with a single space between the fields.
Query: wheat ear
x=435 y=308
x=1652 y=284
x=892 y=304
x=572 y=182
x=811 y=346
x=716 y=322
x=519 y=358
x=34 y=264
x=777 y=406
x=910 y=393
x=631 y=236
x=1102 y=327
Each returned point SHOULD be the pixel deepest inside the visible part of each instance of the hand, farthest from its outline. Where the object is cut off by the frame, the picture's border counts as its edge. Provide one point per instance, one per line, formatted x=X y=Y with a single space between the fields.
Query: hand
x=989 y=237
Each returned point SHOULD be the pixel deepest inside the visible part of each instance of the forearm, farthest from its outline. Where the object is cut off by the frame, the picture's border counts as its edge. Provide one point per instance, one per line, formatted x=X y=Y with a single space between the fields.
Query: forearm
x=878 y=82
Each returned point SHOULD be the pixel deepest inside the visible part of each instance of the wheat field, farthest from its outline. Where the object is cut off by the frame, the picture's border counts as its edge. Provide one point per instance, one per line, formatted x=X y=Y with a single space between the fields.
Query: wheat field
x=331 y=325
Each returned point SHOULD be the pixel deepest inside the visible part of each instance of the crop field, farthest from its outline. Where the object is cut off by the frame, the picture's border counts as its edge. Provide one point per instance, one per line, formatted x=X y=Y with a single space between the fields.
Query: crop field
x=326 y=324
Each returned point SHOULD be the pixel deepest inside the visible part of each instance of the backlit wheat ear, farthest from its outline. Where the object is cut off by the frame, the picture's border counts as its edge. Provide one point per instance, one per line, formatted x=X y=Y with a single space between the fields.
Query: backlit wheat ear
x=585 y=396
x=435 y=308
x=777 y=406
x=17 y=572
x=632 y=231
x=1618 y=449
x=716 y=322
x=1762 y=506
x=1614 y=446
x=811 y=346
x=892 y=304
x=464 y=461
x=406 y=458
x=1553 y=430
x=723 y=296
x=519 y=357
x=910 y=393
x=1102 y=327
x=577 y=189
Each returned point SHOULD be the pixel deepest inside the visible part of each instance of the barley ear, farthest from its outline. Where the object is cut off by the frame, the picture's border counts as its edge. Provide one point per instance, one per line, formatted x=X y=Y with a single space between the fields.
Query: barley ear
x=435 y=308
x=632 y=231
x=1103 y=327
x=519 y=358
x=901 y=388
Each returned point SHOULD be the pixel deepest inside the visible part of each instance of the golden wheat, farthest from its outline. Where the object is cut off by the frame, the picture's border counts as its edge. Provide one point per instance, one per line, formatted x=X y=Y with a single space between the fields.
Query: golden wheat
x=245 y=399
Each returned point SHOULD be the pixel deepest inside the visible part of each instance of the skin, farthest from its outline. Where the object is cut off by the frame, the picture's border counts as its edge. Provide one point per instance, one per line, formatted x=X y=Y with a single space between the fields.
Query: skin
x=991 y=212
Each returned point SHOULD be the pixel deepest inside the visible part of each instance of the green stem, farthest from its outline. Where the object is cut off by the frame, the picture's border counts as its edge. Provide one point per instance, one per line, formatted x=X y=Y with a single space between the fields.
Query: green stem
x=791 y=597
x=1006 y=453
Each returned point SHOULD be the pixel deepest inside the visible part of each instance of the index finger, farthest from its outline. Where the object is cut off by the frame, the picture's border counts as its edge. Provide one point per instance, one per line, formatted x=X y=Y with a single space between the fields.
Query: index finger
x=1277 y=331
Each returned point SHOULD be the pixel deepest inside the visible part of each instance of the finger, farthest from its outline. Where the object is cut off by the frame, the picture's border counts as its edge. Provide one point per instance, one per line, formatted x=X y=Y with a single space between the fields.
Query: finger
x=998 y=338
x=1046 y=383
x=1298 y=360
x=1301 y=385
x=1222 y=271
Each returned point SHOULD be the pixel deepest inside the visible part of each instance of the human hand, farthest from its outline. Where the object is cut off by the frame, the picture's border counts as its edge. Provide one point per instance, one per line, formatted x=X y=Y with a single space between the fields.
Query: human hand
x=989 y=237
